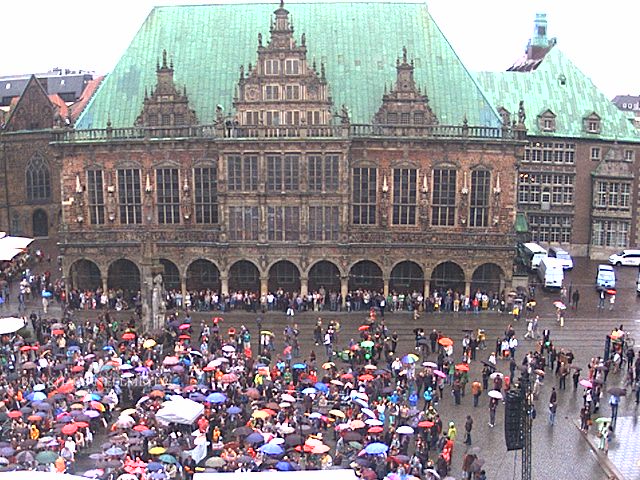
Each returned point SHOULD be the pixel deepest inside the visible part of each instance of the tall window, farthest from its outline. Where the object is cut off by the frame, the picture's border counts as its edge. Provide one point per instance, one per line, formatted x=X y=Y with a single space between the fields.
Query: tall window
x=168 y=195
x=272 y=67
x=292 y=66
x=243 y=223
x=550 y=228
x=283 y=223
x=95 y=192
x=205 y=183
x=242 y=173
x=548 y=152
x=610 y=233
x=38 y=179
x=324 y=223
x=404 y=196
x=444 y=197
x=479 y=202
x=129 y=196
x=283 y=173
x=613 y=195
x=364 y=196
x=323 y=173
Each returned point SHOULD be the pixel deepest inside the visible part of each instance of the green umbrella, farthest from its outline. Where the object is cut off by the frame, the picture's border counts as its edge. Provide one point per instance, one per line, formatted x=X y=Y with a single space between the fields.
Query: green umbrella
x=603 y=420
x=356 y=445
x=214 y=462
x=46 y=457
x=166 y=458
x=367 y=344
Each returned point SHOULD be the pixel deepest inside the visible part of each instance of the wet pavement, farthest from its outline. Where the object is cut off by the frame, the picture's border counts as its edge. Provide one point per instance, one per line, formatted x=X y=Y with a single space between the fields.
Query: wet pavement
x=560 y=451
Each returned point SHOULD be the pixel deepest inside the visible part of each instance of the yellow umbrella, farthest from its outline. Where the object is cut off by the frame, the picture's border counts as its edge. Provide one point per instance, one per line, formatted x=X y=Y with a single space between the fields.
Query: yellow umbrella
x=414 y=356
x=266 y=332
x=260 y=414
x=337 y=413
x=149 y=343
x=328 y=365
x=157 y=450
x=76 y=406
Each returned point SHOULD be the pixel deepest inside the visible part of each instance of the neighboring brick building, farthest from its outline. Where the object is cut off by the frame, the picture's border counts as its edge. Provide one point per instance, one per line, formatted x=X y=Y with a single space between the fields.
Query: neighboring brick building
x=578 y=180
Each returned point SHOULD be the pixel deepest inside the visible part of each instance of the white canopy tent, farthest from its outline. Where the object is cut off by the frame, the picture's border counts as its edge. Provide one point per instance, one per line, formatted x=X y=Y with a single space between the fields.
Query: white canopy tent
x=180 y=410
x=10 y=246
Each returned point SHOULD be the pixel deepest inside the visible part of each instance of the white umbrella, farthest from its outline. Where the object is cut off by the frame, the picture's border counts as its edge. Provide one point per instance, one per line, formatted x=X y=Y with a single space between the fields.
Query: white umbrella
x=229 y=348
x=495 y=394
x=405 y=430
x=11 y=325
x=496 y=374
x=373 y=422
x=368 y=412
x=430 y=364
x=285 y=397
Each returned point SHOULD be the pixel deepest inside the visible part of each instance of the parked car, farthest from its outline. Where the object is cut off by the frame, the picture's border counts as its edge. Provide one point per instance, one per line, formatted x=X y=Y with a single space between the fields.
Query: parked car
x=626 y=257
x=606 y=277
x=562 y=255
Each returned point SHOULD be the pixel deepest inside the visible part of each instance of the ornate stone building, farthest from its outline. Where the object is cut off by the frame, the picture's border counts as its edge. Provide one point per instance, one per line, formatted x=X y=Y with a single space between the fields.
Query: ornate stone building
x=302 y=171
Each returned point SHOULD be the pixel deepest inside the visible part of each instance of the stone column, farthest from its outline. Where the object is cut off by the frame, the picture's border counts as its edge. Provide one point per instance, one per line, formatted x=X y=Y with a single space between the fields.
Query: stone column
x=385 y=288
x=183 y=286
x=427 y=288
x=105 y=282
x=264 y=285
x=467 y=289
x=224 y=284
x=304 y=285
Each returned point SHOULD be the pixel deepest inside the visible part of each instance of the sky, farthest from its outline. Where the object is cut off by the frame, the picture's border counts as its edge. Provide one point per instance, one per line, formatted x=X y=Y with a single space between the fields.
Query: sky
x=488 y=35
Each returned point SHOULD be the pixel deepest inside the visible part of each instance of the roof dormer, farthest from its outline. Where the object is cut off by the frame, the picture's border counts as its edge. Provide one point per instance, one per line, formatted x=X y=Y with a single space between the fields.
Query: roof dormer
x=592 y=123
x=547 y=121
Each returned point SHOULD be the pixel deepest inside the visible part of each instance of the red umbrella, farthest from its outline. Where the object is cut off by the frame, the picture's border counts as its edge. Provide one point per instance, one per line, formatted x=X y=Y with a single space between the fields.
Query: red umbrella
x=253 y=393
x=362 y=328
x=140 y=428
x=185 y=326
x=217 y=319
x=77 y=368
x=229 y=378
x=366 y=377
x=128 y=336
x=34 y=418
x=611 y=291
x=425 y=424
x=57 y=331
x=376 y=429
x=81 y=424
x=445 y=342
x=346 y=376
x=69 y=429
x=462 y=367
x=66 y=388
x=185 y=337
x=25 y=348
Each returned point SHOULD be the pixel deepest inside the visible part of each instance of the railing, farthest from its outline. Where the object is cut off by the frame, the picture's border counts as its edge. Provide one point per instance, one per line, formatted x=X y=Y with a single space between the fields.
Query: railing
x=227 y=131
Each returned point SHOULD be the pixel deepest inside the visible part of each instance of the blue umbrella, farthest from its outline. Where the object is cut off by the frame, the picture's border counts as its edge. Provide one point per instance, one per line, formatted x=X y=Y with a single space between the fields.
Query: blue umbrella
x=321 y=387
x=271 y=449
x=47 y=294
x=216 y=397
x=73 y=348
x=309 y=391
x=198 y=397
x=154 y=466
x=376 y=448
x=107 y=347
x=233 y=410
x=148 y=433
x=284 y=467
x=36 y=396
x=299 y=366
x=254 y=437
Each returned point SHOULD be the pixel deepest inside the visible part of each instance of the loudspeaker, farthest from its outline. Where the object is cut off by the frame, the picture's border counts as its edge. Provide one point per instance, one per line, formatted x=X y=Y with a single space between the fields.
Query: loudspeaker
x=513 y=421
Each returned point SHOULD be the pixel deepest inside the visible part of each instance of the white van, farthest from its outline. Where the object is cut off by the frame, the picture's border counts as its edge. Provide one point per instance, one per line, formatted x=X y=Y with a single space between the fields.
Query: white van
x=606 y=277
x=551 y=272
x=563 y=256
x=531 y=254
x=626 y=257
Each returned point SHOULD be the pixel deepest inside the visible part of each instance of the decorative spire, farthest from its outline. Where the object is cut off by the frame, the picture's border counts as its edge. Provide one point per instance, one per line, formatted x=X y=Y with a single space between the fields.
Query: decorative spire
x=404 y=54
x=78 y=184
x=164 y=58
x=322 y=72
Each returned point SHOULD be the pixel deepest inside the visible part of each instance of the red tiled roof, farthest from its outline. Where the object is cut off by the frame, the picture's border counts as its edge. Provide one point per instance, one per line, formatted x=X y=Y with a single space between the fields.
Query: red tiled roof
x=60 y=105
x=91 y=87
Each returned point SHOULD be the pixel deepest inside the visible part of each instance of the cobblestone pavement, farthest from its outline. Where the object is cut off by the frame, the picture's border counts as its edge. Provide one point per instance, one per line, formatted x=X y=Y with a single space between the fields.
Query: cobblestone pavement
x=560 y=451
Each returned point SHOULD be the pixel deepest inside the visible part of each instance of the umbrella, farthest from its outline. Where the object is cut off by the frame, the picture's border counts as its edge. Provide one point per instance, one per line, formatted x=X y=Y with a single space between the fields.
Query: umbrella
x=228 y=348
x=149 y=343
x=299 y=366
x=69 y=429
x=560 y=305
x=271 y=449
x=254 y=437
x=29 y=366
x=152 y=451
x=366 y=377
x=539 y=372
x=318 y=449
x=321 y=387
x=287 y=398
x=495 y=394
x=425 y=424
x=166 y=458
x=373 y=422
x=369 y=413
x=617 y=391
x=405 y=430
x=430 y=364
x=410 y=358
x=171 y=360
x=337 y=413
x=117 y=451
x=283 y=466
x=362 y=328
x=46 y=456
x=229 y=378
x=128 y=336
x=400 y=458
x=462 y=367
x=445 y=342
x=154 y=466
x=233 y=410
x=328 y=365
x=496 y=374
x=603 y=420
x=356 y=424
x=214 y=462
x=309 y=391
x=367 y=344
x=439 y=373
x=216 y=397
x=586 y=383
x=376 y=429
x=376 y=448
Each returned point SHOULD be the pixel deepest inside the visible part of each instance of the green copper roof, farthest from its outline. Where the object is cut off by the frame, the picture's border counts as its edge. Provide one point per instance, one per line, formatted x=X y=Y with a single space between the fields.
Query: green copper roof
x=542 y=89
x=521 y=224
x=359 y=43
